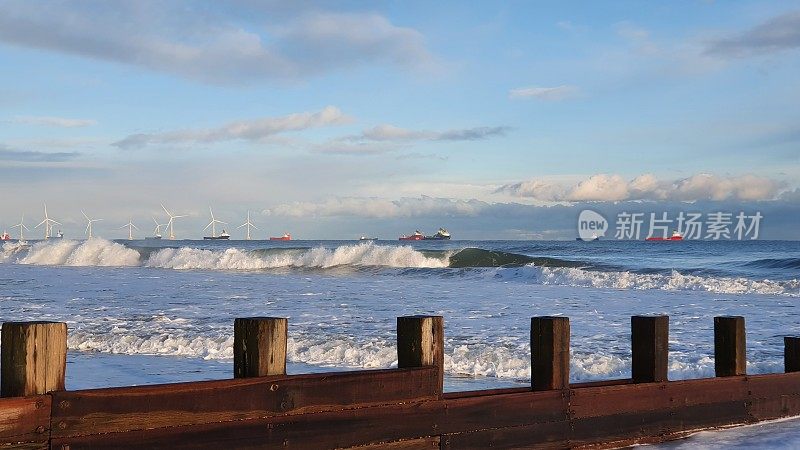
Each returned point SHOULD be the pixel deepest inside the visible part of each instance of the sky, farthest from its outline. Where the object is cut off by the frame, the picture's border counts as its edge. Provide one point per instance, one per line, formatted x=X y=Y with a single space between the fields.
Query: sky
x=331 y=120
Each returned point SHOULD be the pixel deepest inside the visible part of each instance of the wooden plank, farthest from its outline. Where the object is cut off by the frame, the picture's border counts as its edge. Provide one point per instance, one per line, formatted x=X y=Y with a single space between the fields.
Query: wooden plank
x=420 y=342
x=259 y=346
x=650 y=348
x=34 y=358
x=791 y=353
x=729 y=346
x=408 y=444
x=549 y=353
x=611 y=400
x=320 y=430
x=24 y=420
x=504 y=410
x=143 y=407
x=657 y=425
x=547 y=435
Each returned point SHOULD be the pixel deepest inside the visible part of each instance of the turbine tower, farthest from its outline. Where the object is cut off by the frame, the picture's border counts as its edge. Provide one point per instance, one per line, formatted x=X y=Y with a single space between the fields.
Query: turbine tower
x=171 y=222
x=157 y=230
x=89 y=224
x=130 y=226
x=249 y=225
x=48 y=224
x=21 y=225
x=213 y=223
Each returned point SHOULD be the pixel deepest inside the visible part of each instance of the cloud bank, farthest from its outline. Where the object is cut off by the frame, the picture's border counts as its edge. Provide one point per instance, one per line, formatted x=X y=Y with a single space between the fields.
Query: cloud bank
x=543 y=93
x=49 y=121
x=221 y=44
x=610 y=187
x=10 y=154
x=374 y=207
x=248 y=130
x=776 y=34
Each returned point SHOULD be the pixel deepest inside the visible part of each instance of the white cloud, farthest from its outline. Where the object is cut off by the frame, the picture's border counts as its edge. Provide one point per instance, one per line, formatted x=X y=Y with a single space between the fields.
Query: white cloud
x=544 y=93
x=50 y=121
x=374 y=207
x=611 y=187
x=223 y=44
x=249 y=130
x=393 y=133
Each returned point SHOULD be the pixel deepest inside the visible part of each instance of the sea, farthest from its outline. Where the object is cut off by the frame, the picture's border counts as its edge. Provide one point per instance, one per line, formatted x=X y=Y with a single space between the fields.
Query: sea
x=156 y=311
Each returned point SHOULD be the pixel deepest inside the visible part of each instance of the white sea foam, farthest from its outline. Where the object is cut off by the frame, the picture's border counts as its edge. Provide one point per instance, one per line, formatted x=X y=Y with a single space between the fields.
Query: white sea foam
x=366 y=254
x=569 y=276
x=498 y=361
x=92 y=252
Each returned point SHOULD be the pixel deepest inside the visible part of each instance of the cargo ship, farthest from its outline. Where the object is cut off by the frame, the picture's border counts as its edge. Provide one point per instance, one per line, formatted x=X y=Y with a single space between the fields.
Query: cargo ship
x=440 y=235
x=365 y=238
x=5 y=236
x=676 y=236
x=285 y=237
x=223 y=235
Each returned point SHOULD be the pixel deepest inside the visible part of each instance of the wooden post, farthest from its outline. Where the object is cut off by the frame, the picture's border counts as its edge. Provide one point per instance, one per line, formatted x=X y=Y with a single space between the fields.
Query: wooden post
x=550 y=353
x=791 y=354
x=259 y=346
x=650 y=348
x=420 y=342
x=729 y=346
x=34 y=358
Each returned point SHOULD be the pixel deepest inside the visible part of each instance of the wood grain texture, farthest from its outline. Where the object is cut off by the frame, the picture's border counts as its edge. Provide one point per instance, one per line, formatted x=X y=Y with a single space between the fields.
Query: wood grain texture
x=259 y=346
x=33 y=358
x=549 y=353
x=420 y=342
x=649 y=348
x=24 y=421
x=729 y=346
x=142 y=407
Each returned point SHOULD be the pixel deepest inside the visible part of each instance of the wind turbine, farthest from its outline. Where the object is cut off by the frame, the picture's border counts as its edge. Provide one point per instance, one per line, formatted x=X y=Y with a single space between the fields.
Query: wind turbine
x=213 y=223
x=157 y=230
x=89 y=224
x=48 y=224
x=130 y=226
x=248 y=224
x=21 y=225
x=171 y=222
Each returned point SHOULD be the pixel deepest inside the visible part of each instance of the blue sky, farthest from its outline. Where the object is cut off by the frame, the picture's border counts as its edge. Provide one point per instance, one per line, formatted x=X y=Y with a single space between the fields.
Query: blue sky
x=333 y=120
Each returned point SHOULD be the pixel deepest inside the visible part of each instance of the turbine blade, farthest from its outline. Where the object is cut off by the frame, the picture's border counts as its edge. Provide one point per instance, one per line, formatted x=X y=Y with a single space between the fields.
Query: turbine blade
x=204 y=229
x=134 y=226
x=84 y=215
x=55 y=222
x=165 y=209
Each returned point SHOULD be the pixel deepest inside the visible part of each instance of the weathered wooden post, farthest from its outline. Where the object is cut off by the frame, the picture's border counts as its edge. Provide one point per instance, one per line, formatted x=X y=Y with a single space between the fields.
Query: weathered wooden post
x=420 y=342
x=550 y=353
x=791 y=354
x=729 y=346
x=649 y=348
x=259 y=346
x=34 y=358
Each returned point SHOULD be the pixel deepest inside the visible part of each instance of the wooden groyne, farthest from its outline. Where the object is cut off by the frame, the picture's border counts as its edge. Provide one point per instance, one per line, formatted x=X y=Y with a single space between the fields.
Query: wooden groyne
x=401 y=408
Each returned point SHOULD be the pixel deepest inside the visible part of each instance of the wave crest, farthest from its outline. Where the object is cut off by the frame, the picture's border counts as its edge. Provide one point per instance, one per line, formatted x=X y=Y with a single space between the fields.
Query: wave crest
x=92 y=252
x=366 y=254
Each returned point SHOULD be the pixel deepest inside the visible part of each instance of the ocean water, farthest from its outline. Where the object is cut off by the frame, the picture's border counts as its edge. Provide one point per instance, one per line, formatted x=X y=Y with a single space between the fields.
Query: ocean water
x=161 y=311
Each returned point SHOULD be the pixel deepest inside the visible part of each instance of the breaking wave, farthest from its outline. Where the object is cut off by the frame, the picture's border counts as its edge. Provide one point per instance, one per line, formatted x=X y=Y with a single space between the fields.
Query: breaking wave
x=469 y=262
x=92 y=252
x=674 y=281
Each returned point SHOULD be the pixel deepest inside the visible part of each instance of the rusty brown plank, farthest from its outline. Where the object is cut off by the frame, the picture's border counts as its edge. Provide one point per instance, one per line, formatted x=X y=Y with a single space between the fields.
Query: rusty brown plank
x=408 y=444
x=24 y=420
x=548 y=435
x=134 y=408
x=505 y=410
x=653 y=426
x=610 y=400
x=319 y=430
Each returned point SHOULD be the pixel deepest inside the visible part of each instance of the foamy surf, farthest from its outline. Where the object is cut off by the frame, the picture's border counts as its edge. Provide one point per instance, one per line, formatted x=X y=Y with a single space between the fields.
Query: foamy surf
x=92 y=252
x=501 y=361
